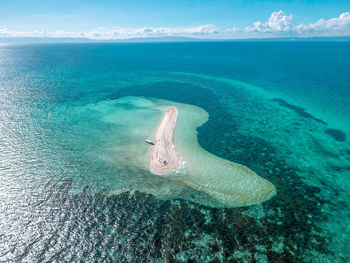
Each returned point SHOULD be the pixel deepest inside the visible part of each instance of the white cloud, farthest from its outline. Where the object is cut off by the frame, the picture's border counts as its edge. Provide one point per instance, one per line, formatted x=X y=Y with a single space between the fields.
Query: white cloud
x=38 y=33
x=203 y=30
x=278 y=24
x=338 y=26
x=234 y=30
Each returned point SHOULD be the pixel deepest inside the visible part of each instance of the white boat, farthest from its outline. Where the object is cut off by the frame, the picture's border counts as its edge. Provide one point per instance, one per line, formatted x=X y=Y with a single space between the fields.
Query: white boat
x=149 y=142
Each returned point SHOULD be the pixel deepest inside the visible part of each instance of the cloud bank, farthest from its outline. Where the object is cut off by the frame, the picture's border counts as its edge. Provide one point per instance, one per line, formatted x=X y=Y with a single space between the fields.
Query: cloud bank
x=279 y=24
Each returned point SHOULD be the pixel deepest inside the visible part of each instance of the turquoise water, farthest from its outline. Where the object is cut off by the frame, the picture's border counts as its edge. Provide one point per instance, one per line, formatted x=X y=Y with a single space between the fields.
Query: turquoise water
x=67 y=193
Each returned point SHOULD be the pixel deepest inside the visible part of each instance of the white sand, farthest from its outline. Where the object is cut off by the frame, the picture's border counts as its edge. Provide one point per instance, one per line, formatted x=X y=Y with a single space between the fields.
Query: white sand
x=163 y=158
x=215 y=181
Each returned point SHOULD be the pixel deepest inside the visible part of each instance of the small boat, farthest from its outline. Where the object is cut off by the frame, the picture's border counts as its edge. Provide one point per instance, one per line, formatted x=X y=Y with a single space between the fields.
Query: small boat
x=149 y=142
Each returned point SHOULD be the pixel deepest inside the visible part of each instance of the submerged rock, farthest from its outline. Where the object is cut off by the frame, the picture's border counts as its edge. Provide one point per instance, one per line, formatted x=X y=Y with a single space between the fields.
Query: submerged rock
x=338 y=135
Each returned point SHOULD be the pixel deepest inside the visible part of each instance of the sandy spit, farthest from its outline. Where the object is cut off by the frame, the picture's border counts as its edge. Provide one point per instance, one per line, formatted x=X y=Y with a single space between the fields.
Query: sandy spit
x=163 y=158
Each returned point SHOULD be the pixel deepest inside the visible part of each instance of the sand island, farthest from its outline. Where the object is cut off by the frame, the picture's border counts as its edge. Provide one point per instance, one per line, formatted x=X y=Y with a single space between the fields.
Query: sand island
x=163 y=159
x=187 y=171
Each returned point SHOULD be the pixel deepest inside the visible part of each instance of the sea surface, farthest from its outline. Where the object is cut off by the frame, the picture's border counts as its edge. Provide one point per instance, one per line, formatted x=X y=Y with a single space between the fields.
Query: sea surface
x=280 y=108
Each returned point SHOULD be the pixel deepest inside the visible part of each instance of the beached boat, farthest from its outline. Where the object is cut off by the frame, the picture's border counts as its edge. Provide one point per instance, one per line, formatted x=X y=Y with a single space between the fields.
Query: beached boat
x=149 y=142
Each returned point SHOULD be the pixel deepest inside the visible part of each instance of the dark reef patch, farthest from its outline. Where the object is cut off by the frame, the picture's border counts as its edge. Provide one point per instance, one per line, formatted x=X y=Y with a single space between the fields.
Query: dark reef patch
x=171 y=90
x=178 y=226
x=297 y=110
x=140 y=228
x=338 y=135
x=347 y=154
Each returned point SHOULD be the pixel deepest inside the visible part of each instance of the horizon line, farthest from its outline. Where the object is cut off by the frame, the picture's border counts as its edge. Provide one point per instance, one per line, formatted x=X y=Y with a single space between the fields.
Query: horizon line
x=152 y=39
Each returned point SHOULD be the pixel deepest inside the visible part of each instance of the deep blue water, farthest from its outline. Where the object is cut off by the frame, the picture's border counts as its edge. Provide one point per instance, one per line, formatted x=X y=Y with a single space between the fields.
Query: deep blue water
x=281 y=108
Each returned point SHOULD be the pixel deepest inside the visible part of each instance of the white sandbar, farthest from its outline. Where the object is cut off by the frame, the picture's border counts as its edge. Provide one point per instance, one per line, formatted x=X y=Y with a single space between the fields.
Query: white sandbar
x=163 y=159
x=200 y=176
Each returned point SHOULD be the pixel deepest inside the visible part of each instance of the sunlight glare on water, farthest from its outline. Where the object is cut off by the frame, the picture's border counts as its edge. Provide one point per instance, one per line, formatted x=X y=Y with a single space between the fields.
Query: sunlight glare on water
x=69 y=192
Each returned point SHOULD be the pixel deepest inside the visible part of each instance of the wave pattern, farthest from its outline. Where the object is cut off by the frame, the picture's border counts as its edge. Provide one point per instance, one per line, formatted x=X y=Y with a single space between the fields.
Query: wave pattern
x=56 y=171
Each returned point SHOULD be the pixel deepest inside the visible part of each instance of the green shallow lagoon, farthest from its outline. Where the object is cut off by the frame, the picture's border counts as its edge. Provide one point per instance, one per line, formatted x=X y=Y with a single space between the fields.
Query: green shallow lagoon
x=136 y=118
x=75 y=184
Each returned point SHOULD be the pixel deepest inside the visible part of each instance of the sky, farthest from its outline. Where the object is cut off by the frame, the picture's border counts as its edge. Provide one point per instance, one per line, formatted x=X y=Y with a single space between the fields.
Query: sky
x=226 y=19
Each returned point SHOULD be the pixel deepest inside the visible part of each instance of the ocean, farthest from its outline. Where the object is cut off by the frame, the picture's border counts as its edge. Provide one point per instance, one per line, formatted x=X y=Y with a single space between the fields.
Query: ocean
x=70 y=190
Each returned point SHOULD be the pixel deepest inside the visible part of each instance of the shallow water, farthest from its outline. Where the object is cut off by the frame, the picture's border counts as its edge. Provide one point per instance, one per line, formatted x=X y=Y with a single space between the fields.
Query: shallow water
x=227 y=184
x=282 y=116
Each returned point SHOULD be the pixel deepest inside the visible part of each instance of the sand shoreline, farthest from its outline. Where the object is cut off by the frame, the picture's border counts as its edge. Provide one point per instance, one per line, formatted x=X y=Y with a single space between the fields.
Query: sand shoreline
x=163 y=159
